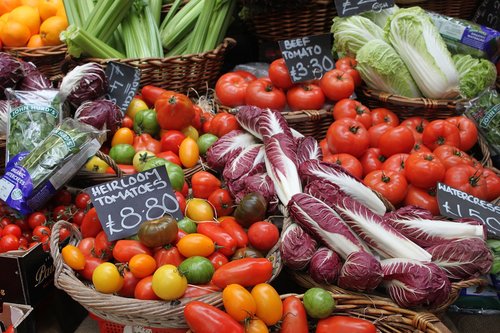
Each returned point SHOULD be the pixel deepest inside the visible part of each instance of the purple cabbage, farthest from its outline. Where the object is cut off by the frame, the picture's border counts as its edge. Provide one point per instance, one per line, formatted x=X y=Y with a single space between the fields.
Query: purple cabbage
x=248 y=118
x=33 y=79
x=102 y=114
x=84 y=83
x=228 y=145
x=11 y=72
x=297 y=247
x=271 y=123
x=412 y=283
x=325 y=224
x=4 y=111
x=361 y=272
x=463 y=258
x=262 y=184
x=325 y=266
x=308 y=149
x=245 y=163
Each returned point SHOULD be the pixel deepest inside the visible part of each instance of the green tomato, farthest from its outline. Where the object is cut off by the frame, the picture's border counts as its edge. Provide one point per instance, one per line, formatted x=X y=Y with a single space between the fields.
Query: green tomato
x=175 y=173
x=122 y=153
x=187 y=225
x=205 y=141
x=197 y=270
x=319 y=303
x=141 y=158
x=145 y=122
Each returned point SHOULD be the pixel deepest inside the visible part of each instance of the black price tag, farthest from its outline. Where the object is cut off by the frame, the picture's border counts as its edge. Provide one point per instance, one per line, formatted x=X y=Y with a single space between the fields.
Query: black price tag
x=123 y=83
x=456 y=204
x=485 y=14
x=308 y=58
x=123 y=204
x=354 y=7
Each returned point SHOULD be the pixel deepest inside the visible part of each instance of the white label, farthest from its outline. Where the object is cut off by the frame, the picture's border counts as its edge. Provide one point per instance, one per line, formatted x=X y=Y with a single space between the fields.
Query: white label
x=6 y=188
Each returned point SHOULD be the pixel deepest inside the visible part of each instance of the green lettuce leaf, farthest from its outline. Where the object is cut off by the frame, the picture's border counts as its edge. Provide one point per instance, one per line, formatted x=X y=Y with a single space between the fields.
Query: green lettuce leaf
x=351 y=33
x=475 y=74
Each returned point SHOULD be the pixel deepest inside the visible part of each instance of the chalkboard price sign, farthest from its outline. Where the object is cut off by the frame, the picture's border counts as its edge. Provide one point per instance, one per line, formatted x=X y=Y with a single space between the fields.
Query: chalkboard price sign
x=456 y=204
x=123 y=81
x=123 y=204
x=308 y=58
x=487 y=14
x=354 y=7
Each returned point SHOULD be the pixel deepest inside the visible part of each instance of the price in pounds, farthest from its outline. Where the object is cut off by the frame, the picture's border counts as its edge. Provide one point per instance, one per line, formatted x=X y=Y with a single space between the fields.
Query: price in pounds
x=310 y=69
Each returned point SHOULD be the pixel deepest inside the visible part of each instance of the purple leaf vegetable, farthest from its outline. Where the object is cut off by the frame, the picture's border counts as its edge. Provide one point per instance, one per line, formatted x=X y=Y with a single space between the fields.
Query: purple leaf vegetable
x=297 y=247
x=248 y=118
x=102 y=114
x=245 y=162
x=84 y=83
x=361 y=272
x=33 y=79
x=11 y=72
x=325 y=266
x=308 y=149
x=271 y=123
x=231 y=143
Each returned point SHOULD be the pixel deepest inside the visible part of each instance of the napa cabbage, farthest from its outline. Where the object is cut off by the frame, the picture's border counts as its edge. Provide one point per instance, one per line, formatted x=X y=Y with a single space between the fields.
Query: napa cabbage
x=475 y=74
x=351 y=33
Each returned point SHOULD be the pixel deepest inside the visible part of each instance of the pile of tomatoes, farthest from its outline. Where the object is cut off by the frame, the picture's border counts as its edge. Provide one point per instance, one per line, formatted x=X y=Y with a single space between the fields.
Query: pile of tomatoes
x=277 y=91
x=22 y=233
x=404 y=161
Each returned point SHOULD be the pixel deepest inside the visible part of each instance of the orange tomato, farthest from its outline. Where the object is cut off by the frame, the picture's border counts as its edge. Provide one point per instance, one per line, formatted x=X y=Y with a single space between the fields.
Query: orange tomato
x=15 y=34
x=269 y=304
x=255 y=325
x=35 y=41
x=8 y=5
x=189 y=153
x=31 y=3
x=48 y=8
x=73 y=257
x=123 y=135
x=142 y=265
x=28 y=16
x=199 y=210
x=238 y=302
x=51 y=28
x=195 y=245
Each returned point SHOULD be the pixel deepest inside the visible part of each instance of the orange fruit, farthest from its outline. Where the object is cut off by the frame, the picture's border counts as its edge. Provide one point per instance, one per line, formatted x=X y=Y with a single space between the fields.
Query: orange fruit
x=48 y=8
x=32 y=3
x=15 y=34
x=8 y=5
x=28 y=16
x=51 y=28
x=35 y=41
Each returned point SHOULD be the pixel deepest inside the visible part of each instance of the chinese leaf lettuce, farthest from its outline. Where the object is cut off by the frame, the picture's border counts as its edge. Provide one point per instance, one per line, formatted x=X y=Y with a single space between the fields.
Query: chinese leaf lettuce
x=475 y=74
x=351 y=33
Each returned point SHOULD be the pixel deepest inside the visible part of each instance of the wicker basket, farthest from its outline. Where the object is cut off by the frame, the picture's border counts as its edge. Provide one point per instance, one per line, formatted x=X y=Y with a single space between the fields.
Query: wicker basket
x=179 y=73
x=48 y=59
x=383 y=313
x=313 y=123
x=463 y=9
x=274 y=21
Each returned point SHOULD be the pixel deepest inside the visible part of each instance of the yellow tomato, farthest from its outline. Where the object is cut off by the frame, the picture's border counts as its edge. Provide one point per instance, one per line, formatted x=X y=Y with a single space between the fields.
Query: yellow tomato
x=95 y=164
x=189 y=153
x=123 y=135
x=106 y=278
x=135 y=106
x=168 y=284
x=199 y=210
x=141 y=158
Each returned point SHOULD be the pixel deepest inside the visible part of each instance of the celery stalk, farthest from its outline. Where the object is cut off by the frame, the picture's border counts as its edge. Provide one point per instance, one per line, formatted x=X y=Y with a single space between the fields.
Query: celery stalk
x=80 y=41
x=106 y=16
x=85 y=8
x=155 y=7
x=201 y=28
x=181 y=47
x=220 y=24
x=171 y=13
x=72 y=12
x=182 y=23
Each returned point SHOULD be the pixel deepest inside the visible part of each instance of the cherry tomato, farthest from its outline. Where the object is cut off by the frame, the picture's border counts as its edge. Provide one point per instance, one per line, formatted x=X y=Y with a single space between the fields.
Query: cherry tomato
x=344 y=324
x=372 y=160
x=467 y=130
x=22 y=223
x=348 y=136
x=268 y=301
x=205 y=318
x=223 y=123
x=12 y=229
x=199 y=210
x=422 y=198
x=396 y=163
x=40 y=231
x=123 y=135
x=185 y=189
x=294 y=316
x=90 y=265
x=376 y=131
x=350 y=108
x=189 y=153
x=348 y=162
x=171 y=141
x=264 y=94
x=125 y=249
x=417 y=125
x=396 y=140
x=279 y=75
x=231 y=89
x=222 y=201
x=8 y=243
x=82 y=200
x=238 y=302
x=64 y=233
x=468 y=179
x=246 y=272
x=73 y=257
x=218 y=259
x=168 y=256
x=424 y=170
x=305 y=97
x=440 y=132
x=451 y=156
x=383 y=115
x=106 y=278
x=127 y=122
x=62 y=197
x=90 y=225
x=203 y=183
x=196 y=245
x=142 y=265
x=392 y=185
x=144 y=289
x=492 y=184
x=337 y=85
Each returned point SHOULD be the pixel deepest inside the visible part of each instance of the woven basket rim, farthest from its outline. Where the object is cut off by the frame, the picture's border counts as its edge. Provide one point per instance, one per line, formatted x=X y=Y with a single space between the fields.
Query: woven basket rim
x=417 y=101
x=42 y=50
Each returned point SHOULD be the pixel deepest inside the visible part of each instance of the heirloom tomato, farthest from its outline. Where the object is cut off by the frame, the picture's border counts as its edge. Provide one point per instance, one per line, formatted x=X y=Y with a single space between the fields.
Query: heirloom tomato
x=256 y=325
x=142 y=265
x=199 y=210
x=144 y=289
x=145 y=122
x=145 y=141
x=196 y=244
x=168 y=255
x=187 y=225
x=103 y=248
x=171 y=157
x=181 y=199
x=90 y=225
x=223 y=123
x=238 y=302
x=97 y=165
x=203 y=184
x=268 y=301
x=222 y=201
x=218 y=259
x=141 y=158
x=125 y=249
x=197 y=269
x=246 y=272
x=171 y=141
x=129 y=284
x=174 y=111
x=344 y=324
x=189 y=153
x=263 y=235
x=151 y=93
x=106 y=278
x=225 y=243
x=294 y=316
x=205 y=318
x=86 y=246
x=90 y=265
x=205 y=141
x=123 y=135
x=135 y=106
x=236 y=231
x=122 y=153
x=168 y=283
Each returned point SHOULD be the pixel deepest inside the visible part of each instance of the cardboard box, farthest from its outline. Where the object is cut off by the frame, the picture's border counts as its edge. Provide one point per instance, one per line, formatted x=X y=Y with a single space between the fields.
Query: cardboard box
x=26 y=276
x=16 y=315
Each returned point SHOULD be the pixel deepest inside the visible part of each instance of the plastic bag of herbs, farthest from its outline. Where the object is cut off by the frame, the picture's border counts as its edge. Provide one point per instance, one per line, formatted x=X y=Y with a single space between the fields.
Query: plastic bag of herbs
x=32 y=178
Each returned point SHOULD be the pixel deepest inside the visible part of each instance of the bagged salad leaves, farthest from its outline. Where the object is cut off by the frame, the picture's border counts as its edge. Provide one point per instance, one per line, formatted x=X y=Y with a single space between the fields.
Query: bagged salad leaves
x=32 y=178
x=31 y=116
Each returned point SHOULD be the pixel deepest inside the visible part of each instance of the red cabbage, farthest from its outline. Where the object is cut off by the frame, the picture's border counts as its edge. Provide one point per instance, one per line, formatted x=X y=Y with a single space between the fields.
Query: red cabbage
x=308 y=149
x=361 y=272
x=231 y=143
x=325 y=266
x=271 y=123
x=463 y=258
x=11 y=72
x=102 y=114
x=33 y=78
x=248 y=117
x=297 y=247
x=245 y=162
x=84 y=83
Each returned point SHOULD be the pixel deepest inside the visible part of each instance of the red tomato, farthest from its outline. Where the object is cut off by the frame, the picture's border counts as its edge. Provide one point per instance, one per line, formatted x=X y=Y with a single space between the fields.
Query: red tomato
x=223 y=123
x=196 y=290
x=125 y=249
x=336 y=85
x=185 y=189
x=168 y=256
x=451 y=156
x=22 y=223
x=170 y=156
x=263 y=235
x=396 y=140
x=86 y=246
x=222 y=201
x=467 y=130
x=197 y=122
x=62 y=212
x=40 y=232
x=396 y=163
x=218 y=259
x=181 y=200
x=64 y=233
x=127 y=122
x=279 y=75
x=174 y=111
x=422 y=198
x=12 y=229
x=206 y=119
x=205 y=318
x=62 y=197
x=171 y=140
x=249 y=77
x=203 y=183
x=346 y=61
x=5 y=221
x=372 y=160
x=231 y=89
x=294 y=316
x=90 y=225
x=82 y=200
x=151 y=93
x=392 y=185
x=236 y=231
x=417 y=125
x=383 y=115
x=144 y=289
x=440 y=132
x=325 y=149
x=129 y=284
x=376 y=131
x=264 y=94
x=103 y=248
x=344 y=324
x=8 y=243
x=348 y=65
x=424 y=170
x=90 y=264
x=468 y=179
x=305 y=97
x=348 y=162
x=246 y=272
x=349 y=108
x=492 y=183
x=226 y=244
x=348 y=136
x=419 y=147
